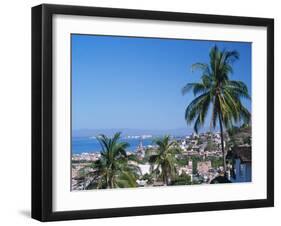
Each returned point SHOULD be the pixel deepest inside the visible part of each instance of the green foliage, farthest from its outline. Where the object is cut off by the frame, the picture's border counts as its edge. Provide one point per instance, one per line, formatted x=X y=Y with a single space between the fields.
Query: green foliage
x=199 y=141
x=211 y=145
x=232 y=131
x=247 y=140
x=183 y=179
x=165 y=159
x=217 y=90
x=216 y=161
x=112 y=170
x=240 y=136
x=182 y=160
x=79 y=161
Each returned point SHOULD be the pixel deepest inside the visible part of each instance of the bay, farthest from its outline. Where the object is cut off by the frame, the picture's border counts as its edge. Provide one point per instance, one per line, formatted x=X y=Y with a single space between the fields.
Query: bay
x=89 y=144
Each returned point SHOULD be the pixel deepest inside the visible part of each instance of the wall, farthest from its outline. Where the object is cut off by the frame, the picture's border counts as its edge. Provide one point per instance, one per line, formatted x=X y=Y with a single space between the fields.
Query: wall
x=15 y=111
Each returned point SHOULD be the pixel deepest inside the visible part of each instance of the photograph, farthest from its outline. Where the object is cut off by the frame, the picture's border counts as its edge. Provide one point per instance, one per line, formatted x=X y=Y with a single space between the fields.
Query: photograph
x=141 y=112
x=150 y=112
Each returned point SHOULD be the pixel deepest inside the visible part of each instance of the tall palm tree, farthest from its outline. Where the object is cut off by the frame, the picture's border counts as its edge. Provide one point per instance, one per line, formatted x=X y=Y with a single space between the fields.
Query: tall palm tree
x=218 y=93
x=113 y=169
x=165 y=159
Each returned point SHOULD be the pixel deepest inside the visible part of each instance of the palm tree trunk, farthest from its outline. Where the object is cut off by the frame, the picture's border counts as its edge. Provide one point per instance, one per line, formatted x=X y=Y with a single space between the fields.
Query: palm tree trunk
x=108 y=182
x=222 y=142
x=165 y=179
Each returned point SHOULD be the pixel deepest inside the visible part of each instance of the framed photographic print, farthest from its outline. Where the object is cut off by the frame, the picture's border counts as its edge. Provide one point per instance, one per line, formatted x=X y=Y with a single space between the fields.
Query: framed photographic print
x=146 y=112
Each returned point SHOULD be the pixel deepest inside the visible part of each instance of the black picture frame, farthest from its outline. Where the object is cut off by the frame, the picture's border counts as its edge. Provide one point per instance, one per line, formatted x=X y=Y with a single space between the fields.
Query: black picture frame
x=42 y=111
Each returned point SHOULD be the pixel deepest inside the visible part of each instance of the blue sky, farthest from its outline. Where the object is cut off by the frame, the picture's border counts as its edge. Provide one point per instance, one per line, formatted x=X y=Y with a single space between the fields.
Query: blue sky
x=122 y=82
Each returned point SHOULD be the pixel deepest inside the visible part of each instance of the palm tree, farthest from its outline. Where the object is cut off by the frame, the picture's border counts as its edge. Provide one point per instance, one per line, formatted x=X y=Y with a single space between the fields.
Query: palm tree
x=218 y=93
x=165 y=159
x=113 y=169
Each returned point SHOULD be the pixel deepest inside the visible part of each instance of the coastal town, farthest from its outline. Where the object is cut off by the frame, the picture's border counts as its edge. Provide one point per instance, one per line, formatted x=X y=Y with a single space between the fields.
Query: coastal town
x=218 y=153
x=198 y=161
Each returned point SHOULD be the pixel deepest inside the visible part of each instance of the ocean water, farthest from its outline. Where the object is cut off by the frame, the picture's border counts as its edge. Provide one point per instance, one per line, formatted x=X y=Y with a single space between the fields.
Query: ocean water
x=87 y=144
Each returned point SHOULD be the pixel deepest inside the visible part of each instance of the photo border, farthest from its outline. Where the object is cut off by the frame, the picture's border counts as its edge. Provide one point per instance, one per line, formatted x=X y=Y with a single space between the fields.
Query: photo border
x=42 y=111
